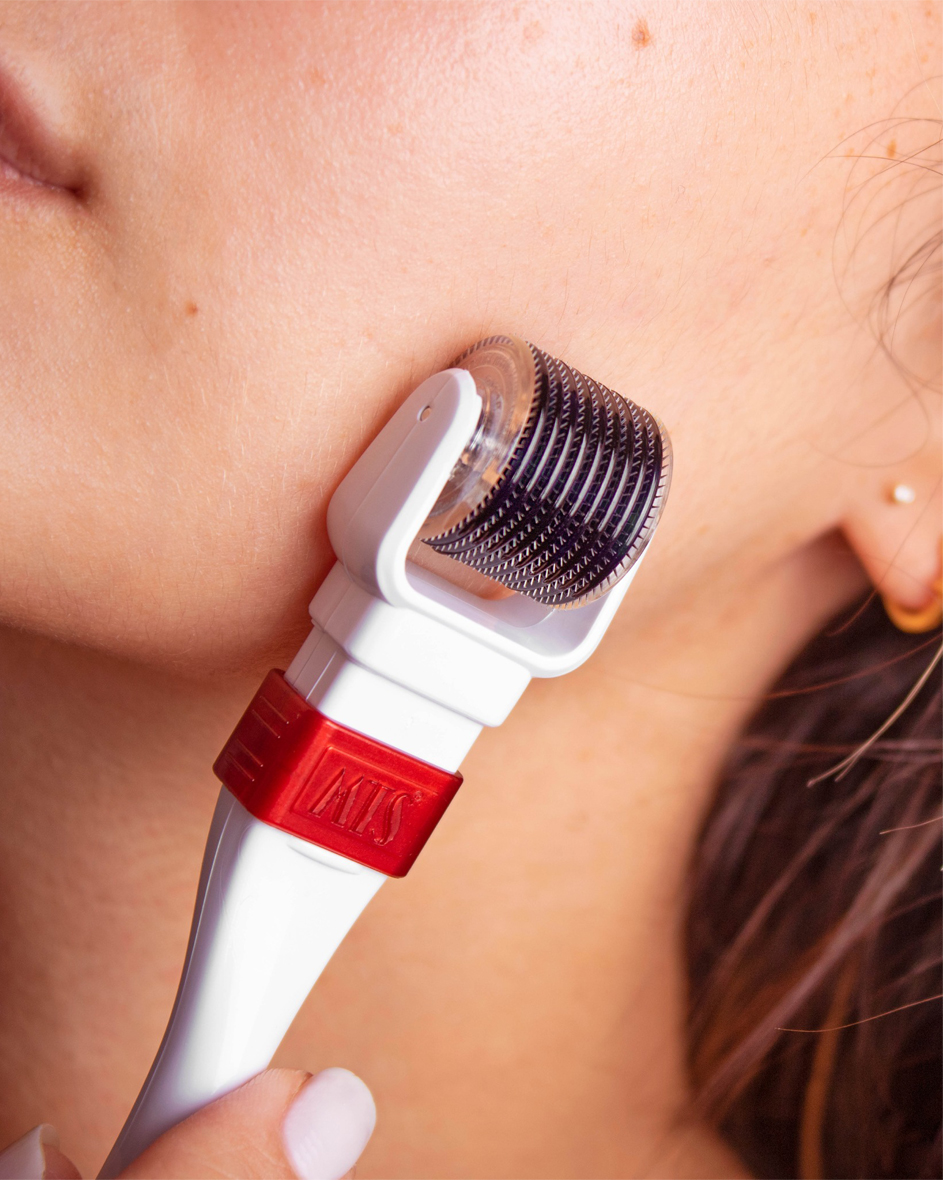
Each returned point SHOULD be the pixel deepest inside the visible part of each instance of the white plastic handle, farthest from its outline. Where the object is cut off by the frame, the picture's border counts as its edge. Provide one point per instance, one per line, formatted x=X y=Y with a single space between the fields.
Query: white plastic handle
x=396 y=654
x=270 y=912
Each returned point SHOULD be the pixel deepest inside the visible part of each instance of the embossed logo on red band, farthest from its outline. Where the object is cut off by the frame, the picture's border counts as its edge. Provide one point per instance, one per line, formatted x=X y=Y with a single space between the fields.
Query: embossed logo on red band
x=294 y=768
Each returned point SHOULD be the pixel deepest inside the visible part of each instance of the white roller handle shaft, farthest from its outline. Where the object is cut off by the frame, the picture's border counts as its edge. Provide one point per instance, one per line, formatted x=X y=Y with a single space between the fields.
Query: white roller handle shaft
x=270 y=912
x=398 y=656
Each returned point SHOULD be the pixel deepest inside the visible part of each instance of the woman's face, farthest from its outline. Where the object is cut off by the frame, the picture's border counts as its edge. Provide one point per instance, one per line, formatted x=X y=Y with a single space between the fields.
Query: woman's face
x=233 y=237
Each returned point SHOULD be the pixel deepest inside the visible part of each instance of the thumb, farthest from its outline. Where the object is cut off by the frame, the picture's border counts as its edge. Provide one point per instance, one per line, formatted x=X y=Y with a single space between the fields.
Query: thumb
x=282 y=1123
x=37 y=1157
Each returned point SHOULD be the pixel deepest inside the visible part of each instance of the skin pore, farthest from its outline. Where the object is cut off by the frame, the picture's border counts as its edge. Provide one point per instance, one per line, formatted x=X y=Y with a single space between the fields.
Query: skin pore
x=232 y=238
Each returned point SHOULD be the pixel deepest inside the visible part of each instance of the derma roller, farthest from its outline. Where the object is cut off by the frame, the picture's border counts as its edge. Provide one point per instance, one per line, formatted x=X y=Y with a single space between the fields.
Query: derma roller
x=486 y=535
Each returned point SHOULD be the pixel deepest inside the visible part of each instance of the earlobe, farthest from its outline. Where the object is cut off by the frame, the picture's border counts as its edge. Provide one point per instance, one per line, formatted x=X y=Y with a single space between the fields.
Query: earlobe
x=895 y=531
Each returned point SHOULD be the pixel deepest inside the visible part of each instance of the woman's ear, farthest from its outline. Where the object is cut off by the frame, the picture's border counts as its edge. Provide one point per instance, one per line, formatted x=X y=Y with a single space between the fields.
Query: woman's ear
x=894 y=527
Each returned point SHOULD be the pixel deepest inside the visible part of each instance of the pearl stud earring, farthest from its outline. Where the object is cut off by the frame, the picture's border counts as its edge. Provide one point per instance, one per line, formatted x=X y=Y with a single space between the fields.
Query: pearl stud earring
x=902 y=493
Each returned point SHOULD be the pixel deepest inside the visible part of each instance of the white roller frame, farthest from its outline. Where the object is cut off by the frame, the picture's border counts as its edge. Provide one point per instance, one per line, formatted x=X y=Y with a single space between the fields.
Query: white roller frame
x=397 y=654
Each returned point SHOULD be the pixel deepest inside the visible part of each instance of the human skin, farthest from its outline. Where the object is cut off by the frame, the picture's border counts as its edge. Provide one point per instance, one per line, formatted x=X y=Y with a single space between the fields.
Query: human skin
x=232 y=239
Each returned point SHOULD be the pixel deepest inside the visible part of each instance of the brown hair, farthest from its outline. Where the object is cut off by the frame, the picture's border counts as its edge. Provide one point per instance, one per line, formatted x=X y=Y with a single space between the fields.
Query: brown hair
x=818 y=907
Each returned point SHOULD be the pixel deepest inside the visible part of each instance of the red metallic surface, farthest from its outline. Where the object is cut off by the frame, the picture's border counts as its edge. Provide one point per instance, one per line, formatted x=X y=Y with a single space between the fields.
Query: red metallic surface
x=307 y=775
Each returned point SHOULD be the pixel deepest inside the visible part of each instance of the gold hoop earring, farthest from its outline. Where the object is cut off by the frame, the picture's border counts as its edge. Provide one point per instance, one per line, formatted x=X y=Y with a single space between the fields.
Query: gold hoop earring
x=913 y=622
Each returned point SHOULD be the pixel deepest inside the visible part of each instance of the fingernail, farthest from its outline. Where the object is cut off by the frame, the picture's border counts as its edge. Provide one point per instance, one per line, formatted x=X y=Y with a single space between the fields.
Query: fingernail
x=328 y=1125
x=26 y=1158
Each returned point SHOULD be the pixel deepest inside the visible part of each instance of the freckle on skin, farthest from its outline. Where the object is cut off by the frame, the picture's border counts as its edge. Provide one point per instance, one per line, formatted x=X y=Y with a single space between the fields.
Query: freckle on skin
x=190 y=308
x=892 y=149
x=640 y=34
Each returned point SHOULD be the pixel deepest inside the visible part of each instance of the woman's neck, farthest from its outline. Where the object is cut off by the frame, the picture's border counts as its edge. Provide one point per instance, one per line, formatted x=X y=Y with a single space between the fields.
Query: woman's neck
x=521 y=992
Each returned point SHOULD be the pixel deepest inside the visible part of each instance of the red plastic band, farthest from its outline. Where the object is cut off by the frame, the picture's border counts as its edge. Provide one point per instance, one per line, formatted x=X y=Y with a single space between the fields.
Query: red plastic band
x=293 y=768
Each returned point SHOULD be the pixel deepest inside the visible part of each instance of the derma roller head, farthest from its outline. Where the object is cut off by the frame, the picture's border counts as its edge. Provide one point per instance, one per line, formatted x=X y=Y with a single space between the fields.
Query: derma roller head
x=561 y=486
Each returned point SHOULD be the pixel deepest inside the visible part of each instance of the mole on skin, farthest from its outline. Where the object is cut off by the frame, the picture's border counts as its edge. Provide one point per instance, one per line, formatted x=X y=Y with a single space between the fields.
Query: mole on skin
x=190 y=307
x=640 y=34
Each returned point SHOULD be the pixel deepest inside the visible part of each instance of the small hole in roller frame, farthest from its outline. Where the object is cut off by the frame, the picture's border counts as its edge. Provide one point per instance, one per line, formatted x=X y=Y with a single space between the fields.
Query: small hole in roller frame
x=424 y=413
